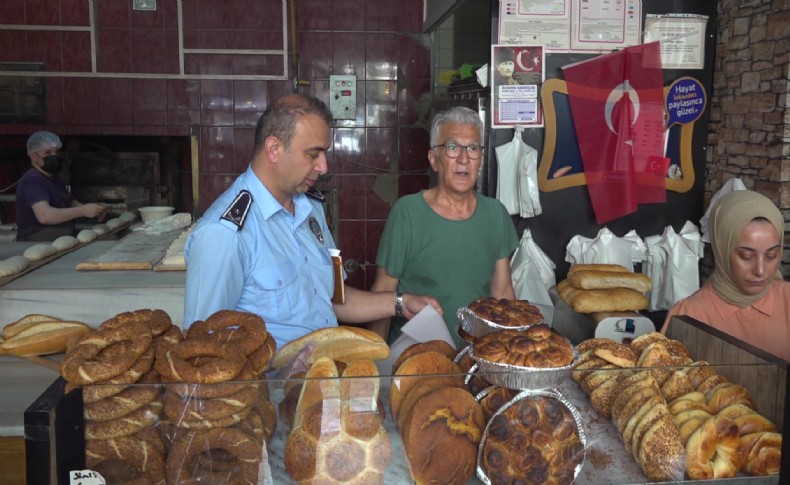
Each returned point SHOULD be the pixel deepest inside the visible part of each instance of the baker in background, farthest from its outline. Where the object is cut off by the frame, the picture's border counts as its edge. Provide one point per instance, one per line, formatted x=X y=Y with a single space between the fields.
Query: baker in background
x=745 y=296
x=45 y=209
x=263 y=245
x=449 y=240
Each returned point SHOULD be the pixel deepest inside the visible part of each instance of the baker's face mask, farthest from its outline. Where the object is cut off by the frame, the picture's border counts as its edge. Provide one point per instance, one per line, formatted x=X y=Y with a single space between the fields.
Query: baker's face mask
x=52 y=164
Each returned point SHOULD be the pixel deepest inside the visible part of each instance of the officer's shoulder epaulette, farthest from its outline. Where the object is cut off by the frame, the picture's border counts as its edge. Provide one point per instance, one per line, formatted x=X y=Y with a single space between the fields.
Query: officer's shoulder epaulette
x=315 y=194
x=238 y=209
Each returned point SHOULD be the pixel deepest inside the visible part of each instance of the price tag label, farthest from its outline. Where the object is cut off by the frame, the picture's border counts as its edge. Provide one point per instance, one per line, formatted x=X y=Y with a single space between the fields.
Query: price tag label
x=86 y=477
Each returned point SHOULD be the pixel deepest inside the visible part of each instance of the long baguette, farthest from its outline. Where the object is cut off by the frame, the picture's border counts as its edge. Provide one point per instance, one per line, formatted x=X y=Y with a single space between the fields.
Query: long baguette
x=339 y=343
x=44 y=338
x=601 y=280
x=13 y=328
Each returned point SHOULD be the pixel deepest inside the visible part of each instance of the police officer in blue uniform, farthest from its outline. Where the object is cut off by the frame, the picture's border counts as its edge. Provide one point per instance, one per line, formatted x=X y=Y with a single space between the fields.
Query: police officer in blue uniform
x=263 y=245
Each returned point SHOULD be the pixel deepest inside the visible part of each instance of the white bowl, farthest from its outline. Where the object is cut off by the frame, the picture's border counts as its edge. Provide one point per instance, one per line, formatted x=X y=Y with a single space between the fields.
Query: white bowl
x=155 y=212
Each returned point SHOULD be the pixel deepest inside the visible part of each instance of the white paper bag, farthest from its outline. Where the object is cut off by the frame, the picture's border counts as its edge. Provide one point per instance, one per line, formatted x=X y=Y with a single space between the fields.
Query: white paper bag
x=684 y=251
x=606 y=248
x=654 y=266
x=730 y=185
x=528 y=193
x=517 y=176
x=673 y=265
x=532 y=274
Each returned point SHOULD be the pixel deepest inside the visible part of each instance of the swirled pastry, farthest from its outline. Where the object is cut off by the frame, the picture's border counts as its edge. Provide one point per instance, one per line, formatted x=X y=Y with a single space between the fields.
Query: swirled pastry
x=508 y=313
x=537 y=346
x=535 y=440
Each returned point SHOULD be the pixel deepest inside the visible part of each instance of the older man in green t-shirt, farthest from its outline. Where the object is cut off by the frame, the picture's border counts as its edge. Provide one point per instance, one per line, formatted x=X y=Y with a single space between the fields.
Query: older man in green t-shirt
x=448 y=241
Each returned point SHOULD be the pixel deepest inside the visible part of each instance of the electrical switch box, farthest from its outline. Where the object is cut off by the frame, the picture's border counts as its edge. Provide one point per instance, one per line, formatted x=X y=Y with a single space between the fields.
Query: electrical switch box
x=343 y=96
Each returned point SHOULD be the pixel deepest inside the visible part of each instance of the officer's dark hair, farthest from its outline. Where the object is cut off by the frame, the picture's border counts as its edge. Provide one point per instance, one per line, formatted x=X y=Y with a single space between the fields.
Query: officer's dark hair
x=281 y=115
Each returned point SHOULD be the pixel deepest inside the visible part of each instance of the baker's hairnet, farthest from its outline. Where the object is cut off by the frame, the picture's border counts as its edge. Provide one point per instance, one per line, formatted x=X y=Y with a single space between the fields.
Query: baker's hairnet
x=41 y=140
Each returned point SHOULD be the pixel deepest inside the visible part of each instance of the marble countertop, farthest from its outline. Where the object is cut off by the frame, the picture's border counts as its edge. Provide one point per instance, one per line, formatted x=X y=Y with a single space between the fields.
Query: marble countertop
x=58 y=289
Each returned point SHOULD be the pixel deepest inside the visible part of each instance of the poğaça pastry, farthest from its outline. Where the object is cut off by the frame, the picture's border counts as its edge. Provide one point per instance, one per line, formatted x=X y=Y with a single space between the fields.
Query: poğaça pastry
x=538 y=346
x=508 y=313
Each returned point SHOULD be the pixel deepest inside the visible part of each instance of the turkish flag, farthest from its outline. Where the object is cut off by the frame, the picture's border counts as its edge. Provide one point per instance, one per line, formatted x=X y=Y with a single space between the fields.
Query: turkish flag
x=617 y=103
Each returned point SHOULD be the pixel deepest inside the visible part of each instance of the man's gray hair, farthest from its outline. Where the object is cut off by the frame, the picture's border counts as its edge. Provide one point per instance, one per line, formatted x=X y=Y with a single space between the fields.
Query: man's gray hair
x=457 y=114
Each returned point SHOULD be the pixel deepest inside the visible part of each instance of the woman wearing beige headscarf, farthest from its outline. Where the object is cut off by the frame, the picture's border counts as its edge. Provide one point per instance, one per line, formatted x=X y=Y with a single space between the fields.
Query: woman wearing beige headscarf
x=745 y=296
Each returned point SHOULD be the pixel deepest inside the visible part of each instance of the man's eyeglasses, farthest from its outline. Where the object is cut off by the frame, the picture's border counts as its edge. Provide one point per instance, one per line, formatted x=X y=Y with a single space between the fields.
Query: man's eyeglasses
x=453 y=150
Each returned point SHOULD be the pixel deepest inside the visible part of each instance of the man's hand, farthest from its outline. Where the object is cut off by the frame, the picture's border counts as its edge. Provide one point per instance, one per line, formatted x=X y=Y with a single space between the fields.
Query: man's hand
x=413 y=304
x=94 y=210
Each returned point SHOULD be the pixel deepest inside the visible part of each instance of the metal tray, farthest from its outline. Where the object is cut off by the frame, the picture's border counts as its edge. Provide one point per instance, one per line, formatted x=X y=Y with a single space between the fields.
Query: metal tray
x=528 y=378
x=477 y=327
x=553 y=393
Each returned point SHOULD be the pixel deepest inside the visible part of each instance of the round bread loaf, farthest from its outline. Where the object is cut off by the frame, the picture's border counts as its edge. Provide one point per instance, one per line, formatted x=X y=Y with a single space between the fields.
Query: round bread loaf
x=65 y=242
x=439 y=346
x=39 y=251
x=445 y=419
x=422 y=387
x=13 y=265
x=421 y=364
x=87 y=235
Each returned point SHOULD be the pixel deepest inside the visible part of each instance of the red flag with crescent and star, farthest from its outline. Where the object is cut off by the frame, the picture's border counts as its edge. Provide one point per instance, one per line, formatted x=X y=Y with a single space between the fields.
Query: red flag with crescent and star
x=617 y=103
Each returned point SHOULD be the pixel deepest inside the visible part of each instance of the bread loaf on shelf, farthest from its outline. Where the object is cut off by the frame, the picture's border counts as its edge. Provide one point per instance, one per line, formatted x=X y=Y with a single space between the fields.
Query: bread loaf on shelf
x=608 y=300
x=600 y=280
x=41 y=337
x=597 y=267
x=341 y=343
x=338 y=434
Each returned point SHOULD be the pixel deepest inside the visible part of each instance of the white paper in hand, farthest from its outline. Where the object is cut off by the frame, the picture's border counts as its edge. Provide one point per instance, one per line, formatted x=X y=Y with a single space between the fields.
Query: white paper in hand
x=426 y=325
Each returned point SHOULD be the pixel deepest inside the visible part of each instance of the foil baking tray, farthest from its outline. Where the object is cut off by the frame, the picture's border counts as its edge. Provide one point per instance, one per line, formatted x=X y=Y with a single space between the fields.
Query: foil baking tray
x=477 y=327
x=528 y=378
x=552 y=393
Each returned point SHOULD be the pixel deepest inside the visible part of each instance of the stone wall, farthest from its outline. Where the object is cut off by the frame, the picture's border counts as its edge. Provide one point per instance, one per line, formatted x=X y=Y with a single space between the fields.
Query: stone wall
x=750 y=123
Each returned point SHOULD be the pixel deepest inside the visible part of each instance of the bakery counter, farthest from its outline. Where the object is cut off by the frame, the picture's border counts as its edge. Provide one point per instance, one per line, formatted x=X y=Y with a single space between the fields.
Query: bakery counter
x=58 y=289
x=371 y=427
x=605 y=459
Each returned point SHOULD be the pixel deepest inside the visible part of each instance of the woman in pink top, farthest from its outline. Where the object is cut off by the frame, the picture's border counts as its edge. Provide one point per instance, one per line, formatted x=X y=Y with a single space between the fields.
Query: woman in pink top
x=745 y=296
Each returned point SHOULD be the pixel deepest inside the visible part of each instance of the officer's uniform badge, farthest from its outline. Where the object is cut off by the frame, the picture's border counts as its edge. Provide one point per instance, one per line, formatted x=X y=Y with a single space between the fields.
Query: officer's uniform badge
x=315 y=227
x=238 y=209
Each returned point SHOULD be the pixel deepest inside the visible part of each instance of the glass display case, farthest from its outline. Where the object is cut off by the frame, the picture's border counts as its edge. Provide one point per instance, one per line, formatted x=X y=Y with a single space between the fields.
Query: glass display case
x=361 y=427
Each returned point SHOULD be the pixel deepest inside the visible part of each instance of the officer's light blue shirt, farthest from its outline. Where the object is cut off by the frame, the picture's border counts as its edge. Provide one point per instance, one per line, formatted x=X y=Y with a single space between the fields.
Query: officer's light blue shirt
x=274 y=265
